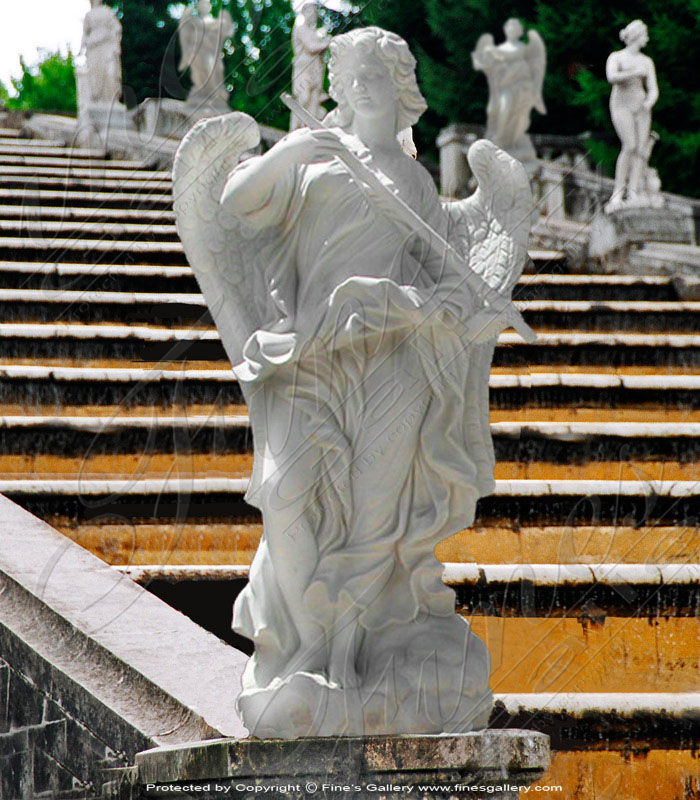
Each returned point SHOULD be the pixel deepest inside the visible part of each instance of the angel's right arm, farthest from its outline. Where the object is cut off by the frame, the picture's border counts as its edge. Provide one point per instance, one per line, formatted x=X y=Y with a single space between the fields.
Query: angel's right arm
x=250 y=185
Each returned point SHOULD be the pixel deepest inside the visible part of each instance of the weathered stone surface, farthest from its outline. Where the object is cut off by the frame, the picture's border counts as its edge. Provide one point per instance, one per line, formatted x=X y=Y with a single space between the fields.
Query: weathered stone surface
x=94 y=668
x=512 y=758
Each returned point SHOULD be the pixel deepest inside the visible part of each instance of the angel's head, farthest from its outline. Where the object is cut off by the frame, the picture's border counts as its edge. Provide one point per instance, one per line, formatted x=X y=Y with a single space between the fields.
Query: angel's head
x=513 y=29
x=635 y=33
x=204 y=8
x=310 y=12
x=370 y=70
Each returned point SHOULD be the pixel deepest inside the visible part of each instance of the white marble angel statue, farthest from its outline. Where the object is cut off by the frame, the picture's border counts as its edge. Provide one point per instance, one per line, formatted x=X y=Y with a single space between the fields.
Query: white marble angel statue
x=363 y=352
x=634 y=93
x=102 y=45
x=308 y=67
x=515 y=74
x=202 y=39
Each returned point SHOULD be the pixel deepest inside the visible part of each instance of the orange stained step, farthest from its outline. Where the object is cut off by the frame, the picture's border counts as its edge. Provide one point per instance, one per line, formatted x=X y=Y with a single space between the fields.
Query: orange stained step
x=113 y=411
x=228 y=544
x=562 y=654
x=625 y=774
x=167 y=544
x=602 y=414
x=652 y=470
x=128 y=465
x=239 y=465
x=573 y=544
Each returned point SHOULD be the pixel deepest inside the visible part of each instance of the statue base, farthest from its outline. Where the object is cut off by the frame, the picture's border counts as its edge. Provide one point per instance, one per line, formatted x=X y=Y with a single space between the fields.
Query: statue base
x=173 y=118
x=614 y=234
x=489 y=763
x=97 y=120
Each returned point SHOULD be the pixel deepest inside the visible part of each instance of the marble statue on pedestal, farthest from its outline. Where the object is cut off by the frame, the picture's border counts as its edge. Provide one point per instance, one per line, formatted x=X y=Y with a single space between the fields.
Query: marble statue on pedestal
x=634 y=94
x=360 y=314
x=309 y=44
x=515 y=74
x=202 y=39
x=102 y=42
x=99 y=80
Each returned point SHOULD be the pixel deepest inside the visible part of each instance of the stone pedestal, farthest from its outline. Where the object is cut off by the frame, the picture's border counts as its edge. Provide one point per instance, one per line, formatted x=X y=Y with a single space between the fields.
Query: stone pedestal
x=491 y=763
x=614 y=235
x=173 y=118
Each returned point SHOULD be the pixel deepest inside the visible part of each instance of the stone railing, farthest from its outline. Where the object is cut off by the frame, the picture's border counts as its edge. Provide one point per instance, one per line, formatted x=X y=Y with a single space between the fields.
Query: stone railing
x=94 y=669
x=455 y=140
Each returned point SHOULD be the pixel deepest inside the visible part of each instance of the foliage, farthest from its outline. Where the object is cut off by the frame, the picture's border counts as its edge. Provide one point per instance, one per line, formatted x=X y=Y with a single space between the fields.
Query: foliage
x=48 y=85
x=148 y=57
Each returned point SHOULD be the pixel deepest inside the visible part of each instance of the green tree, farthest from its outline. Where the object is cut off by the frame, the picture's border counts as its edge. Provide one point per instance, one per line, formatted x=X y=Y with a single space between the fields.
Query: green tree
x=149 y=31
x=48 y=85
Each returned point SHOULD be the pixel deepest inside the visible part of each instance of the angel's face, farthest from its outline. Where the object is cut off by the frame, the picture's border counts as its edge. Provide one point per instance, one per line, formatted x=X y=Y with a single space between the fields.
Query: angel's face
x=368 y=86
x=513 y=30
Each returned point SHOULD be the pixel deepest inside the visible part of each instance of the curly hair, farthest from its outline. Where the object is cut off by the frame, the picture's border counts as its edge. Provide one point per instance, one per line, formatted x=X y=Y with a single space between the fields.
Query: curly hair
x=633 y=31
x=393 y=52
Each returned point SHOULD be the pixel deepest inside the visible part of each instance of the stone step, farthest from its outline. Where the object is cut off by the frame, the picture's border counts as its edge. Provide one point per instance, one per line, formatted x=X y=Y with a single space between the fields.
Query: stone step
x=594 y=287
x=40 y=230
x=223 y=543
x=47 y=147
x=615 y=316
x=69 y=198
x=572 y=352
x=160 y=444
x=10 y=133
x=94 y=184
x=40 y=385
x=91 y=171
x=24 y=213
x=91 y=250
x=9 y=157
x=522 y=502
x=609 y=315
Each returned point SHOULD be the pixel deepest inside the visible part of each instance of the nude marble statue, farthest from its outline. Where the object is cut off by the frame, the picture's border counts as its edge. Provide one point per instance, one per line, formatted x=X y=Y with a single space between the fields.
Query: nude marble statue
x=360 y=315
x=101 y=43
x=309 y=44
x=202 y=39
x=634 y=94
x=515 y=75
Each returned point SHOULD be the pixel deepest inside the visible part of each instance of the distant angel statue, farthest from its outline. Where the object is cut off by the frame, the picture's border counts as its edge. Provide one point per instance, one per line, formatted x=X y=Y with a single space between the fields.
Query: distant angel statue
x=308 y=67
x=360 y=314
x=515 y=74
x=202 y=39
x=634 y=94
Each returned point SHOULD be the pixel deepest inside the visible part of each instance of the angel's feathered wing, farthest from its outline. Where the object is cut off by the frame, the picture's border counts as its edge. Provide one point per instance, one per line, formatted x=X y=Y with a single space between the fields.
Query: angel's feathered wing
x=223 y=254
x=491 y=230
x=190 y=34
x=537 y=58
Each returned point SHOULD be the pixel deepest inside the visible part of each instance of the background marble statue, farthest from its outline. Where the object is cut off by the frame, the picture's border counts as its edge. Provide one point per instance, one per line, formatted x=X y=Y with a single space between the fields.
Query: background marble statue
x=202 y=39
x=308 y=68
x=634 y=94
x=102 y=39
x=364 y=356
x=515 y=75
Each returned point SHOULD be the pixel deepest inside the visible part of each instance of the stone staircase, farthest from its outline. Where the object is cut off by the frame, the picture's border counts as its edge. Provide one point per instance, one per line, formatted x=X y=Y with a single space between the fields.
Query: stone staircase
x=122 y=425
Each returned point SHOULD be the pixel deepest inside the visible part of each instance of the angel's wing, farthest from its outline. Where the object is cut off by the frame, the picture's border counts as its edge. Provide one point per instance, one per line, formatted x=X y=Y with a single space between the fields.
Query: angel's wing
x=537 y=58
x=491 y=230
x=223 y=254
x=227 y=24
x=190 y=34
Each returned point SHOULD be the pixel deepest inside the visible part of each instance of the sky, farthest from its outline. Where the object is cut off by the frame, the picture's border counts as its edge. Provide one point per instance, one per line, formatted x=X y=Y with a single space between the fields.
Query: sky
x=26 y=25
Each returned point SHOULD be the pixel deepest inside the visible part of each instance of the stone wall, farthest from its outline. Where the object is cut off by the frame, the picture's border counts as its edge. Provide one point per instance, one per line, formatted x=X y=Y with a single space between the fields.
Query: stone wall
x=94 y=668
